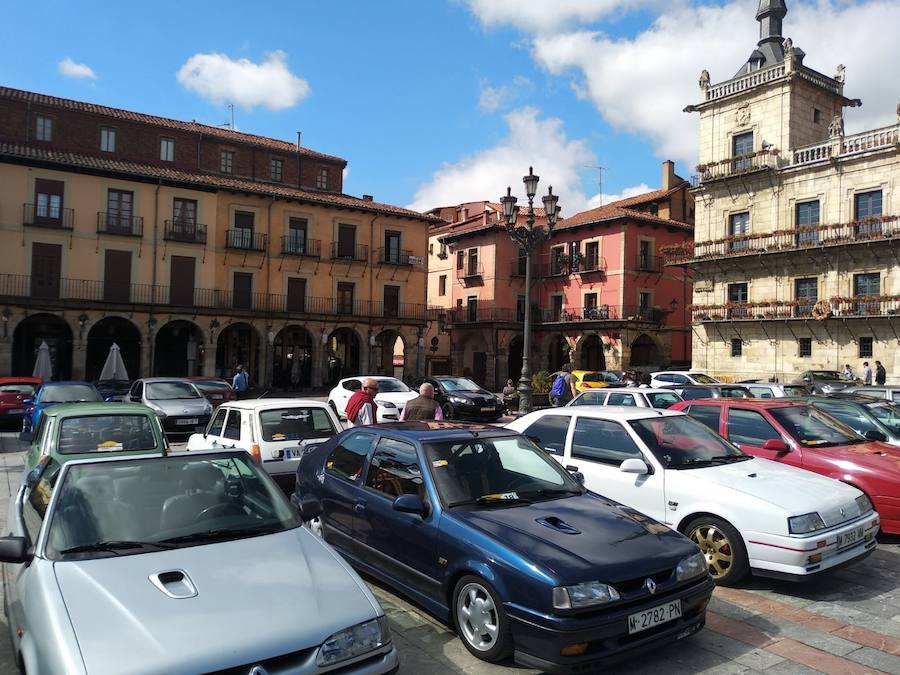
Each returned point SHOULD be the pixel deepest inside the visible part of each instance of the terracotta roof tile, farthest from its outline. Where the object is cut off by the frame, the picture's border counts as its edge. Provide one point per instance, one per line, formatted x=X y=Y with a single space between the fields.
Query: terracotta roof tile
x=619 y=209
x=66 y=160
x=191 y=127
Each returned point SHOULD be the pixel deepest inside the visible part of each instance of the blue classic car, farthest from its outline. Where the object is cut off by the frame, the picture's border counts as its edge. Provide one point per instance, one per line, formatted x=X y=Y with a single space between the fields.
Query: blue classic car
x=485 y=530
x=51 y=393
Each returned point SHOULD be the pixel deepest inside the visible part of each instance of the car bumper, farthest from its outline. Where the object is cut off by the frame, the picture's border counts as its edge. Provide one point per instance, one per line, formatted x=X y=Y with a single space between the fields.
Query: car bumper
x=539 y=644
x=12 y=411
x=800 y=557
x=889 y=510
x=173 y=425
x=478 y=412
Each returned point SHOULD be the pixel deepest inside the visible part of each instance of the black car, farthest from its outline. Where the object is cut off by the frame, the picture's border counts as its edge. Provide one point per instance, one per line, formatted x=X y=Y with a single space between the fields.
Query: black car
x=690 y=392
x=461 y=398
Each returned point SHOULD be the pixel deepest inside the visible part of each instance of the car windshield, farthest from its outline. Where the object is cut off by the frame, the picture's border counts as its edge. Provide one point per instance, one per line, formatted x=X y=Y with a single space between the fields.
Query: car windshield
x=69 y=393
x=459 y=384
x=149 y=504
x=490 y=472
x=167 y=391
x=391 y=386
x=681 y=442
x=105 y=433
x=700 y=378
x=663 y=400
x=887 y=413
x=211 y=385
x=814 y=428
x=27 y=389
x=295 y=424
x=589 y=398
x=825 y=375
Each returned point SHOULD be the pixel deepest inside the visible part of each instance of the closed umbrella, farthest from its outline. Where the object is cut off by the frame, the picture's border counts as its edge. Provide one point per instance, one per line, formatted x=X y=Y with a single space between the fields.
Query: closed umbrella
x=43 y=368
x=114 y=368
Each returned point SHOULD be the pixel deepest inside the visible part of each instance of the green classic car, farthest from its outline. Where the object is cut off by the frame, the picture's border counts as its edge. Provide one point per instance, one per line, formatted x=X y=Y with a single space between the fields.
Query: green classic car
x=86 y=430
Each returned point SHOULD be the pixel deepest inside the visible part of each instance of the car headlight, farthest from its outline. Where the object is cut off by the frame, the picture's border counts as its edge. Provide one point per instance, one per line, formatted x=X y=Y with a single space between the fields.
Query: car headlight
x=692 y=566
x=457 y=399
x=809 y=522
x=864 y=504
x=387 y=404
x=585 y=594
x=354 y=641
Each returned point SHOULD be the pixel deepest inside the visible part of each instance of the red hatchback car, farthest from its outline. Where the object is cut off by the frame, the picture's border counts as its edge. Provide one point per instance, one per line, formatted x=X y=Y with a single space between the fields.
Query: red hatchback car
x=797 y=433
x=216 y=390
x=13 y=391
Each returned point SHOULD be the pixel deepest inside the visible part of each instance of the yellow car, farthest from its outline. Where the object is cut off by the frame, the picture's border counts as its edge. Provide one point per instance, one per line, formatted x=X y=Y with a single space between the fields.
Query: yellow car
x=589 y=379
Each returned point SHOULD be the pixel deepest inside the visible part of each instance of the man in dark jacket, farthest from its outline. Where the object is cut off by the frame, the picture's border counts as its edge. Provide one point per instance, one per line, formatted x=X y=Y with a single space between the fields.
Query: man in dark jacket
x=422 y=407
x=880 y=373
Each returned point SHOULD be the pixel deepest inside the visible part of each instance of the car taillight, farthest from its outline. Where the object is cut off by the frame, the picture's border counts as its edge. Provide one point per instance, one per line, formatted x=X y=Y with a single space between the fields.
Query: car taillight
x=256 y=454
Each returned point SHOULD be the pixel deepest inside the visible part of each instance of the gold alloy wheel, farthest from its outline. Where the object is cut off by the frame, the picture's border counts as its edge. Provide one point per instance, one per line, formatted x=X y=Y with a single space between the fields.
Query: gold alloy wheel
x=715 y=546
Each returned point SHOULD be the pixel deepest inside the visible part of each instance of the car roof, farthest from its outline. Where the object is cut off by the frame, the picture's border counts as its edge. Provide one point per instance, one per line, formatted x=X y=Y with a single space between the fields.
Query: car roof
x=20 y=380
x=619 y=412
x=266 y=403
x=630 y=390
x=439 y=431
x=104 y=458
x=711 y=385
x=96 y=408
x=370 y=377
x=67 y=382
x=752 y=402
x=150 y=380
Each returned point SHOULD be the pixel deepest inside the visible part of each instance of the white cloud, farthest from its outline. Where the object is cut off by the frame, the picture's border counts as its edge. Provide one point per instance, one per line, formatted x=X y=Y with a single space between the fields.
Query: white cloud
x=80 y=70
x=531 y=141
x=221 y=79
x=641 y=85
x=543 y=16
x=491 y=99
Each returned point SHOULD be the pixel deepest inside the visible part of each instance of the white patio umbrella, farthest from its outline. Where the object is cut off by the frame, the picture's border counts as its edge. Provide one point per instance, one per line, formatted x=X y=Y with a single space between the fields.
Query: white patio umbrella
x=114 y=368
x=43 y=368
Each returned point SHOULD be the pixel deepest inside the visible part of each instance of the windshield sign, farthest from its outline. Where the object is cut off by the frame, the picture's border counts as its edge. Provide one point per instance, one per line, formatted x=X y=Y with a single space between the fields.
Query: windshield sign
x=684 y=443
x=814 y=428
x=105 y=433
x=167 y=391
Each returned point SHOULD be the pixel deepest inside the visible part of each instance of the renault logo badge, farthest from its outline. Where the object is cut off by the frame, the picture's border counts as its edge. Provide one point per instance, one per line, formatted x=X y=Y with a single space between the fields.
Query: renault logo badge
x=650 y=585
x=258 y=670
x=842 y=511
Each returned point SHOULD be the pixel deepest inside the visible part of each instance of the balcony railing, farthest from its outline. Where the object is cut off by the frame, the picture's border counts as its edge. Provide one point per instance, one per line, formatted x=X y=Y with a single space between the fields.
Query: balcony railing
x=469 y=270
x=392 y=310
x=245 y=240
x=517 y=267
x=647 y=263
x=292 y=245
x=184 y=231
x=466 y=315
x=748 y=81
x=734 y=166
x=588 y=264
x=868 y=230
x=603 y=313
x=55 y=218
x=849 y=307
x=119 y=223
x=876 y=139
x=394 y=256
x=343 y=251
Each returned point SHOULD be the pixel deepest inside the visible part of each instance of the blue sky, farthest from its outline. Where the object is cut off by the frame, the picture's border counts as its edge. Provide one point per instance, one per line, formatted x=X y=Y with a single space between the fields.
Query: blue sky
x=395 y=86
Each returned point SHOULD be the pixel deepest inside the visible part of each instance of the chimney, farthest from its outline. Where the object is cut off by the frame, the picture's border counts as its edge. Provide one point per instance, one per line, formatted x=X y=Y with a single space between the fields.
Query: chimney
x=367 y=198
x=465 y=214
x=668 y=174
x=484 y=217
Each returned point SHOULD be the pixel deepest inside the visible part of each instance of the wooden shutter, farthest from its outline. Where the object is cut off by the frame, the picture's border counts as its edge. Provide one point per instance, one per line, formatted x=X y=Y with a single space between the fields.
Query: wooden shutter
x=181 y=280
x=117 y=276
x=46 y=266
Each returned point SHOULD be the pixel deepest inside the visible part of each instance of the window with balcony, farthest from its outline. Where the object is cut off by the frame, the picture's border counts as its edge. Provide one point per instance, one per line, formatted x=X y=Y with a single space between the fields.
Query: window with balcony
x=346 y=241
x=737 y=295
x=472 y=308
x=226 y=161
x=107 y=139
x=391 y=302
x=865 y=287
x=645 y=255
x=645 y=302
x=737 y=347
x=867 y=207
x=739 y=226
x=242 y=234
x=48 y=202
x=243 y=290
x=296 y=294
x=167 y=149
x=557 y=261
x=43 y=128
x=556 y=308
x=442 y=284
x=276 y=169
x=591 y=256
x=296 y=236
x=590 y=303
x=741 y=146
x=866 y=347
x=806 y=293
x=460 y=259
x=521 y=262
x=807 y=218
x=184 y=220
x=804 y=347
x=120 y=212
x=472 y=263
x=345 y=297
x=392 y=251
x=322 y=178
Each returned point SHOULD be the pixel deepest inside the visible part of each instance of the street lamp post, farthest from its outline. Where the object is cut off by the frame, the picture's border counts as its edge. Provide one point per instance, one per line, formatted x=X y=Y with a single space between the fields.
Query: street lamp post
x=529 y=238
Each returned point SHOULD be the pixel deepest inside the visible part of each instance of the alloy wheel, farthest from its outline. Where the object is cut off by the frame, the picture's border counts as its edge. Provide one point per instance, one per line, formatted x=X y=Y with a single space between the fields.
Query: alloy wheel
x=477 y=616
x=716 y=547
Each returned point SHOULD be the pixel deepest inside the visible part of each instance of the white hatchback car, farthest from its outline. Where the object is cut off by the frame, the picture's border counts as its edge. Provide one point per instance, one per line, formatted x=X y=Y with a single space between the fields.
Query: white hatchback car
x=744 y=513
x=667 y=378
x=632 y=397
x=392 y=396
x=276 y=431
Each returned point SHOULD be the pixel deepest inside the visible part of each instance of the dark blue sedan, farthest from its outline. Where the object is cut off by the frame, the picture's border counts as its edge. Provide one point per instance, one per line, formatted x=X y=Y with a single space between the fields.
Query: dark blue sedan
x=486 y=531
x=51 y=393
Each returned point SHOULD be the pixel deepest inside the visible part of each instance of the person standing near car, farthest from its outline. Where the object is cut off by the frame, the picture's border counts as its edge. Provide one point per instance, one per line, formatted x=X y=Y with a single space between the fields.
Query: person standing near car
x=867 y=373
x=880 y=373
x=241 y=381
x=567 y=392
x=848 y=372
x=423 y=407
x=361 y=407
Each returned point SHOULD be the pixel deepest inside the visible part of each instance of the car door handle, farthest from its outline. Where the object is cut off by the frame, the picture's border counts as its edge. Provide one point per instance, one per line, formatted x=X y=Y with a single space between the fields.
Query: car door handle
x=359 y=507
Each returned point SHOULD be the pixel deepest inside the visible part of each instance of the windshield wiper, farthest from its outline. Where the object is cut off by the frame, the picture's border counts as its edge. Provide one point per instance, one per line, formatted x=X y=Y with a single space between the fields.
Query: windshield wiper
x=731 y=458
x=484 y=501
x=554 y=492
x=115 y=546
x=222 y=533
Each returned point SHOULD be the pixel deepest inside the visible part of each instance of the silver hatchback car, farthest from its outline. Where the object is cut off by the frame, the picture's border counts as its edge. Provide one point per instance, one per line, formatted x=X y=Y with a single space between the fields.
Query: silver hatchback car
x=189 y=563
x=180 y=405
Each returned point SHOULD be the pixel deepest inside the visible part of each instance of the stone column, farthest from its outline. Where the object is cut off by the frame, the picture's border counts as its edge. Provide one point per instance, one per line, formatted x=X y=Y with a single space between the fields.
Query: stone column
x=209 y=358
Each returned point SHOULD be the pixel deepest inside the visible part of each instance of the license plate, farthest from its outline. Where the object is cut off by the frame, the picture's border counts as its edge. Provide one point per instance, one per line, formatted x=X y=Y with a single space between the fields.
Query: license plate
x=849 y=538
x=187 y=421
x=488 y=409
x=217 y=397
x=654 y=616
x=16 y=411
x=292 y=453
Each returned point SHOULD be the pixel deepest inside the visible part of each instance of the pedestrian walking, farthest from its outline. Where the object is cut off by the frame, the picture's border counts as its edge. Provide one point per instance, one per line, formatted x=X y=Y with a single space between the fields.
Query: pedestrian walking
x=867 y=373
x=423 y=407
x=848 y=372
x=361 y=407
x=241 y=381
x=563 y=389
x=880 y=373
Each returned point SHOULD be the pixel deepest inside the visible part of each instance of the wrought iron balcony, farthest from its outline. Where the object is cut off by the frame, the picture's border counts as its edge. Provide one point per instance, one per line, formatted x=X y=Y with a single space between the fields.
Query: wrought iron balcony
x=49 y=216
x=111 y=222
x=470 y=270
x=355 y=252
x=865 y=306
x=293 y=245
x=586 y=264
x=742 y=164
x=517 y=267
x=394 y=256
x=245 y=240
x=647 y=263
x=184 y=231
x=603 y=313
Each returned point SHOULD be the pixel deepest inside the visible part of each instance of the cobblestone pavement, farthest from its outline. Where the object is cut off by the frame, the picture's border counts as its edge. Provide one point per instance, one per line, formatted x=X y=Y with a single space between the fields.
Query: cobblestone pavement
x=847 y=623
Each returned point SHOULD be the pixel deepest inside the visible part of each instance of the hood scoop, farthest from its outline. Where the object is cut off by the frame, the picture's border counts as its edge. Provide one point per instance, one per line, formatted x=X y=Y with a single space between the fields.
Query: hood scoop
x=174 y=583
x=558 y=524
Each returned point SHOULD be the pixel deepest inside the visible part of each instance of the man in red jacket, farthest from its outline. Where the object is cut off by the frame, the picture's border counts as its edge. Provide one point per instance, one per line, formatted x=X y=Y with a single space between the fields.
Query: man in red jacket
x=361 y=407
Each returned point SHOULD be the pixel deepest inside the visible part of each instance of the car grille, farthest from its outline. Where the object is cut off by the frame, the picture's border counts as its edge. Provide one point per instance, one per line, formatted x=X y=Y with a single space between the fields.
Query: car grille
x=842 y=514
x=277 y=664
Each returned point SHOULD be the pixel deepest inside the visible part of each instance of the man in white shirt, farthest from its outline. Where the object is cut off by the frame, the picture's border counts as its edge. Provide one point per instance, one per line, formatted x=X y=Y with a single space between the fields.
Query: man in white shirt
x=361 y=406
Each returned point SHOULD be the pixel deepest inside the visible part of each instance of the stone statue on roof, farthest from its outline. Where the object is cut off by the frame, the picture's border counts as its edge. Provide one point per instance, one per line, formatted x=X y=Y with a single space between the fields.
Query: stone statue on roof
x=704 y=80
x=898 y=113
x=788 y=47
x=836 y=128
x=839 y=75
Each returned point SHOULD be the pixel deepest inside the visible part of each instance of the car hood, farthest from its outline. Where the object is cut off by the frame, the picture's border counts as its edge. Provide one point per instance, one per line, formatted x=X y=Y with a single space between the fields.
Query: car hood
x=183 y=406
x=612 y=542
x=398 y=398
x=795 y=491
x=877 y=457
x=256 y=598
x=475 y=396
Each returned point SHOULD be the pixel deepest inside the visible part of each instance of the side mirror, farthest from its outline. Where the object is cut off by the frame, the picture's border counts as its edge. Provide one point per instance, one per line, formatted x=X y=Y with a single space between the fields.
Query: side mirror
x=634 y=465
x=874 y=435
x=410 y=504
x=13 y=549
x=807 y=380
x=576 y=474
x=776 y=445
x=309 y=507
x=27 y=401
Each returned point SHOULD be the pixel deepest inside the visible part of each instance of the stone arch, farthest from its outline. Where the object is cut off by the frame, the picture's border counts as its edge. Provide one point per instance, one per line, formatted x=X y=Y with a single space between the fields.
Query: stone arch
x=557 y=352
x=645 y=352
x=515 y=353
x=473 y=350
x=343 y=353
x=28 y=336
x=589 y=353
x=390 y=354
x=292 y=357
x=239 y=343
x=177 y=349
x=101 y=336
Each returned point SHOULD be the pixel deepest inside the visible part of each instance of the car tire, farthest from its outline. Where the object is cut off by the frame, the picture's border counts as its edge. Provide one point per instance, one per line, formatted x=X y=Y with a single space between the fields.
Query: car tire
x=447 y=411
x=480 y=620
x=723 y=547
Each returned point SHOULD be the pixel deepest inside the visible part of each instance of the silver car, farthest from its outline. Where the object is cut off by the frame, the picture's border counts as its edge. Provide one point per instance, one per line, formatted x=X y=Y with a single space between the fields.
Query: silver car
x=189 y=563
x=180 y=406
x=888 y=392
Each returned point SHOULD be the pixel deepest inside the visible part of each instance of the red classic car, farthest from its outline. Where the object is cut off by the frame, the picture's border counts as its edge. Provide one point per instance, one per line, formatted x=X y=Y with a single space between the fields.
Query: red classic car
x=216 y=390
x=800 y=434
x=14 y=390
